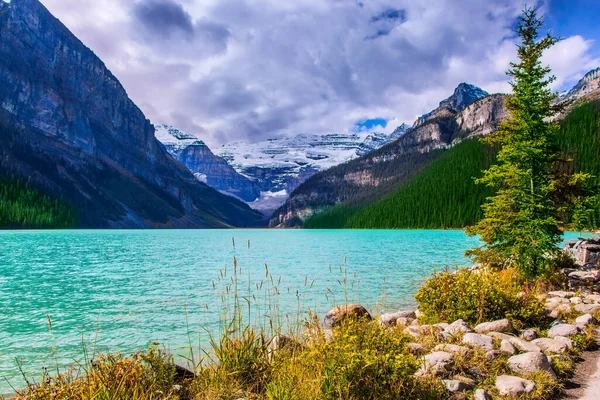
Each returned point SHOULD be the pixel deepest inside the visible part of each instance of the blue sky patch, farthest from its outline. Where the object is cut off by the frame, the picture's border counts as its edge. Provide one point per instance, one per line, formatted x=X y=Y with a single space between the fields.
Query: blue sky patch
x=368 y=124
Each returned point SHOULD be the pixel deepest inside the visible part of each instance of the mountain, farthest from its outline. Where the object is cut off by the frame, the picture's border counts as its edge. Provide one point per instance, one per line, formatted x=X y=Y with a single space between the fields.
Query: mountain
x=68 y=128
x=264 y=173
x=436 y=189
x=375 y=174
x=463 y=95
x=206 y=167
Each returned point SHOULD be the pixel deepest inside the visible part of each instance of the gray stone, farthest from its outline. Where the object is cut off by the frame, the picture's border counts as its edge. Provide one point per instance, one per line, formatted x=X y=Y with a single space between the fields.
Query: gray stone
x=587 y=308
x=558 y=310
x=481 y=394
x=517 y=342
x=452 y=348
x=529 y=334
x=492 y=355
x=416 y=348
x=442 y=325
x=570 y=343
x=576 y=300
x=389 y=319
x=403 y=321
x=591 y=298
x=564 y=330
x=529 y=363
x=513 y=386
x=458 y=326
x=478 y=340
x=587 y=276
x=551 y=345
x=585 y=320
x=507 y=348
x=502 y=325
x=437 y=363
x=454 y=385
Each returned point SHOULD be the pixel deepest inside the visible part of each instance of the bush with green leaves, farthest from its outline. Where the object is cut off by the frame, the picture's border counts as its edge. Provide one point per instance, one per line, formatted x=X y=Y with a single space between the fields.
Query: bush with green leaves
x=478 y=296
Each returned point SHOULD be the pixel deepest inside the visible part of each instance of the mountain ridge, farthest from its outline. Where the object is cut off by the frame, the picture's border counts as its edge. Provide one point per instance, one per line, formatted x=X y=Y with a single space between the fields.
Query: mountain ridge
x=68 y=126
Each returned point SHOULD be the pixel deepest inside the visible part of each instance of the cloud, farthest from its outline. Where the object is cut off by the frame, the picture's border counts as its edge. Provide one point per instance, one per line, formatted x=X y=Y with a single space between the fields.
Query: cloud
x=254 y=69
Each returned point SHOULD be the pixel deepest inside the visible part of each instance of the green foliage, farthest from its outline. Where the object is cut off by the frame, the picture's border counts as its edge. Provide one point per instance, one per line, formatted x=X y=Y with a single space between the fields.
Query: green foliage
x=22 y=206
x=478 y=296
x=522 y=220
x=443 y=195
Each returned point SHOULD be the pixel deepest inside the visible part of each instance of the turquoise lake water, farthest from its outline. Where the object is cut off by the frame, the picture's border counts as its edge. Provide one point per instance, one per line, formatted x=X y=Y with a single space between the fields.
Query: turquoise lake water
x=123 y=290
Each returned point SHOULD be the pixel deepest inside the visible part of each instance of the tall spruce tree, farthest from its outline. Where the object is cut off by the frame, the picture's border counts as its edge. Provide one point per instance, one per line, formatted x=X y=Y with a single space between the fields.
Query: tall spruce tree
x=523 y=221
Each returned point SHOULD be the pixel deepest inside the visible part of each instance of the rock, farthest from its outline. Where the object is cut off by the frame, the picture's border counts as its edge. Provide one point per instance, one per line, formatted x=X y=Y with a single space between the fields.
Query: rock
x=414 y=331
x=507 y=348
x=454 y=385
x=464 y=379
x=554 y=301
x=389 y=319
x=403 y=321
x=529 y=334
x=515 y=341
x=591 y=299
x=421 y=330
x=570 y=343
x=502 y=325
x=529 y=363
x=513 y=386
x=558 y=310
x=416 y=348
x=481 y=394
x=586 y=276
x=477 y=340
x=562 y=294
x=492 y=355
x=340 y=313
x=551 y=345
x=281 y=342
x=587 y=308
x=442 y=325
x=452 y=348
x=182 y=372
x=458 y=326
x=437 y=363
x=585 y=320
x=564 y=330
x=576 y=300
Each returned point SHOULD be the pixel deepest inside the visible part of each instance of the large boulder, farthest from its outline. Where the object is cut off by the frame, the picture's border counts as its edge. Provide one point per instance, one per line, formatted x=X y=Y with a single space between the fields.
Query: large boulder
x=502 y=325
x=483 y=342
x=564 y=330
x=513 y=386
x=529 y=363
x=340 y=313
x=585 y=320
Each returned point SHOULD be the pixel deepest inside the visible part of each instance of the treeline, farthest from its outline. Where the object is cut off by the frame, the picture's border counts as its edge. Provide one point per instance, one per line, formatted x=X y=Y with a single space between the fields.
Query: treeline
x=444 y=194
x=22 y=206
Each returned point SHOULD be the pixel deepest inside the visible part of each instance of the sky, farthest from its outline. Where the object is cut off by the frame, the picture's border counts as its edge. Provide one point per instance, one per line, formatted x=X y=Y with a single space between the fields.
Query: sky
x=249 y=70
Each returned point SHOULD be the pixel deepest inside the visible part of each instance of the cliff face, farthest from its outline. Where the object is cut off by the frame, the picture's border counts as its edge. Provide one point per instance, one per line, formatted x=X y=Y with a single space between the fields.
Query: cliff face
x=204 y=164
x=379 y=172
x=68 y=125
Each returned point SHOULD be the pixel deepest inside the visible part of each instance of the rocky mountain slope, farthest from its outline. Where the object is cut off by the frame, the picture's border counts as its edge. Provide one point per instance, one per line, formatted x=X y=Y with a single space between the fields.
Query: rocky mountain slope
x=377 y=173
x=371 y=177
x=206 y=166
x=264 y=173
x=68 y=127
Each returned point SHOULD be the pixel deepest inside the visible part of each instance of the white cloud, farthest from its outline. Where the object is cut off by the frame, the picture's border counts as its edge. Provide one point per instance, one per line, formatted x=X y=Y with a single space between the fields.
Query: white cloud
x=251 y=69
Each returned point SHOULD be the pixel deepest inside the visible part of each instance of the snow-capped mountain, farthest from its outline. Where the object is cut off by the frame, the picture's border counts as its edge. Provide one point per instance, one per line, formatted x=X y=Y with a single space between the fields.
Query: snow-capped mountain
x=206 y=167
x=278 y=166
x=464 y=94
x=265 y=173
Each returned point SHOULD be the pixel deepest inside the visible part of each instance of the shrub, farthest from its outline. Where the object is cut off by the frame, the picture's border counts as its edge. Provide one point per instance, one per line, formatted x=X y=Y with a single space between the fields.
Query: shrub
x=478 y=296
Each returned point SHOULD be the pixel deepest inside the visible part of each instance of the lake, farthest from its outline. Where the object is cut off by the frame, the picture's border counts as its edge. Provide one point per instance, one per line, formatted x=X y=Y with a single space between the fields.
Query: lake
x=123 y=290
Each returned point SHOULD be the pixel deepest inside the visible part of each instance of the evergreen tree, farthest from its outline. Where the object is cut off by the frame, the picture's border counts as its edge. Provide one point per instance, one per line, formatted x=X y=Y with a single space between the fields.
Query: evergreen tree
x=522 y=223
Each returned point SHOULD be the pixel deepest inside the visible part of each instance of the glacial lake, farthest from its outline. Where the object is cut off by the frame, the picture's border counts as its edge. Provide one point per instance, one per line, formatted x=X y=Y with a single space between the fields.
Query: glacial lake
x=119 y=290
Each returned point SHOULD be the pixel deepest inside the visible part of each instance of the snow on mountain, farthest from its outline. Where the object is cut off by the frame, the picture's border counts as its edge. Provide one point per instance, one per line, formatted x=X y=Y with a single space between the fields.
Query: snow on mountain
x=264 y=173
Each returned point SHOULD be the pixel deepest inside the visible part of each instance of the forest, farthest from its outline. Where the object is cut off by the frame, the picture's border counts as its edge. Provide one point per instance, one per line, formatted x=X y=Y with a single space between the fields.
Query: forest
x=444 y=195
